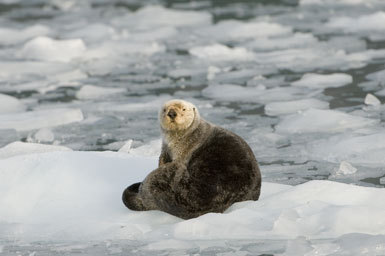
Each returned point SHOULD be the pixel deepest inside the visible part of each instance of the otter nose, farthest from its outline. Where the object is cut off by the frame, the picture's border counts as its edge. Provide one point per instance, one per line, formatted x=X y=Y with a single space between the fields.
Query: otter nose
x=171 y=113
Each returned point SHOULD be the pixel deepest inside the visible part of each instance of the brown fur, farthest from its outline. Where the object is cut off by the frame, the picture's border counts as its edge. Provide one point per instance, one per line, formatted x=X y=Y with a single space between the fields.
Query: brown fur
x=202 y=168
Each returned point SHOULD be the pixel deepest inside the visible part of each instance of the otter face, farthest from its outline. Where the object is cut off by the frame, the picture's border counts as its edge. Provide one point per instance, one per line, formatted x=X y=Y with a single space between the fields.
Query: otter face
x=177 y=115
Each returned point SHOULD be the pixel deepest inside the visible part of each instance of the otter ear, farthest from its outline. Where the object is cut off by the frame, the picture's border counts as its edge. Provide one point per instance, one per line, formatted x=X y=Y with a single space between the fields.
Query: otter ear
x=194 y=109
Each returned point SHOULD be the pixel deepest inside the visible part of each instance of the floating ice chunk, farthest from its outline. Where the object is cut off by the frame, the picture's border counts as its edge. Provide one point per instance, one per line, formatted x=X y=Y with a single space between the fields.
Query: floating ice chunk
x=372 y=100
x=364 y=23
x=87 y=92
x=126 y=147
x=288 y=107
x=317 y=120
x=144 y=18
x=48 y=49
x=10 y=104
x=13 y=36
x=278 y=43
x=336 y=2
x=21 y=148
x=380 y=92
x=378 y=76
x=228 y=92
x=152 y=35
x=93 y=32
x=15 y=70
x=320 y=81
x=368 y=150
x=382 y=180
x=112 y=49
x=235 y=30
x=219 y=52
x=44 y=135
x=346 y=169
x=40 y=119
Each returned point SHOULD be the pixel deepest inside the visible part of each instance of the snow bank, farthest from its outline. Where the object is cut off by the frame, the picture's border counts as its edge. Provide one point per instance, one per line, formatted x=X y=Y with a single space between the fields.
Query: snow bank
x=48 y=49
x=77 y=196
x=364 y=23
x=10 y=104
x=320 y=81
x=220 y=52
x=317 y=120
x=14 y=36
x=40 y=118
x=288 y=107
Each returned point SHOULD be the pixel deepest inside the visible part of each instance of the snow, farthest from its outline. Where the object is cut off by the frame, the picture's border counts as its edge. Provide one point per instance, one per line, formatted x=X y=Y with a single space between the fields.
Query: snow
x=320 y=81
x=220 y=52
x=37 y=119
x=289 y=107
x=10 y=104
x=319 y=120
x=64 y=205
x=94 y=92
x=48 y=49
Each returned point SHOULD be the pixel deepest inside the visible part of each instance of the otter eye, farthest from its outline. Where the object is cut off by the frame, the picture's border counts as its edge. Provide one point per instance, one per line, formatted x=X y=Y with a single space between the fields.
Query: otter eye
x=184 y=109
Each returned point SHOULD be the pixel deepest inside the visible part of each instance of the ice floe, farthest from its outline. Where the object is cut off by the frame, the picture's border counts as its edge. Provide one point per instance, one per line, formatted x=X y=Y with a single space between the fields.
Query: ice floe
x=319 y=120
x=220 y=52
x=370 y=22
x=320 y=81
x=288 y=107
x=10 y=104
x=14 y=36
x=372 y=100
x=64 y=205
x=94 y=92
x=37 y=119
x=48 y=49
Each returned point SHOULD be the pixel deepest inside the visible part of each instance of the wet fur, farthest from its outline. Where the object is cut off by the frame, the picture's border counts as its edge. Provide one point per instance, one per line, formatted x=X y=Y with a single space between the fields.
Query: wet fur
x=215 y=169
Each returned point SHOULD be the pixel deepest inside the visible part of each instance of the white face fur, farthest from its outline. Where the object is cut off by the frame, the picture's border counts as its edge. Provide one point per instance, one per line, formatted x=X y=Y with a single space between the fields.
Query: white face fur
x=177 y=115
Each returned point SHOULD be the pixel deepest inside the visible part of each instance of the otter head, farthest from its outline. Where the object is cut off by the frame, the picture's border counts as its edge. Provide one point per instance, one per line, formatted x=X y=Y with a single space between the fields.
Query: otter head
x=177 y=115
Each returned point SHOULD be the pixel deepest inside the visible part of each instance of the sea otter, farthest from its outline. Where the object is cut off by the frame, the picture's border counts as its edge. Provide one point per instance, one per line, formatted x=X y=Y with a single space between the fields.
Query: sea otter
x=202 y=167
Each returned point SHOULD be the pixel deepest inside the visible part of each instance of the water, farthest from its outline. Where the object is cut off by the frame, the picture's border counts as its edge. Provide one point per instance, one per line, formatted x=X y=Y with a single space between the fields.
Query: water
x=149 y=57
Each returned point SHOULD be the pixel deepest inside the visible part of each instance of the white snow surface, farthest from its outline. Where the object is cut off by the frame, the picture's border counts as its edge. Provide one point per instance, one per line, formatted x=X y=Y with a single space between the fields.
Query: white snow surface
x=77 y=196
